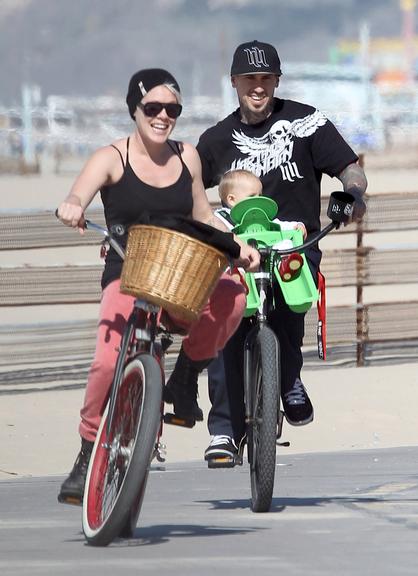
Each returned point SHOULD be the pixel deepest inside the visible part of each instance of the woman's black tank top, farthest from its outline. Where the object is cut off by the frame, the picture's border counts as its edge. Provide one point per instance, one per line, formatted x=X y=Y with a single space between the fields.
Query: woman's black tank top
x=127 y=201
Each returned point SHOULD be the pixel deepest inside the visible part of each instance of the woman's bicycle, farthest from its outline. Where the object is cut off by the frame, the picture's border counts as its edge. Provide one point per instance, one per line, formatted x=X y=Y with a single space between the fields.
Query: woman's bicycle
x=129 y=434
x=262 y=387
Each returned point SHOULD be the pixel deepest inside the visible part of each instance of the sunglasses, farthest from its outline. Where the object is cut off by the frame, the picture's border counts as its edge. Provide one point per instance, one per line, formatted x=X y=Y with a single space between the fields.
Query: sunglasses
x=152 y=109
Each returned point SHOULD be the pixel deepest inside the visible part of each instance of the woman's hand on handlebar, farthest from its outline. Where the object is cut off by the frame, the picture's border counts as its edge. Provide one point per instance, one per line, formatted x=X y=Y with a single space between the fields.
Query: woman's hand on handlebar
x=72 y=214
x=249 y=257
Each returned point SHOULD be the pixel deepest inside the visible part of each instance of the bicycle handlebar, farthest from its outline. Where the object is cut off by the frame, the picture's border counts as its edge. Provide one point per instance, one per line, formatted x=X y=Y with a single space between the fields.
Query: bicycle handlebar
x=301 y=248
x=340 y=210
x=89 y=225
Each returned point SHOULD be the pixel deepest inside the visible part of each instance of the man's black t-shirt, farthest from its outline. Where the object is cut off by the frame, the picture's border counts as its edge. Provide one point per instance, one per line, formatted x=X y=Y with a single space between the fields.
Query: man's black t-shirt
x=289 y=152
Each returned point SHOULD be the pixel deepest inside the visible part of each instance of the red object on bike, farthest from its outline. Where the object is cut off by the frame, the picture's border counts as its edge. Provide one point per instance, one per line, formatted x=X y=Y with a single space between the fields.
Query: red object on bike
x=322 y=319
x=237 y=271
x=289 y=266
x=103 y=250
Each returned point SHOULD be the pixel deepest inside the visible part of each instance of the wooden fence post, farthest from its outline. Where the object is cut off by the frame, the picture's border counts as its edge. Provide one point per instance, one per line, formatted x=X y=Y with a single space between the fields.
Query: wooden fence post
x=361 y=329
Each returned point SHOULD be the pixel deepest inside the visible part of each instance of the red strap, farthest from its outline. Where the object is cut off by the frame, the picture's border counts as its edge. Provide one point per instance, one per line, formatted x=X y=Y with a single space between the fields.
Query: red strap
x=103 y=250
x=321 y=333
x=236 y=270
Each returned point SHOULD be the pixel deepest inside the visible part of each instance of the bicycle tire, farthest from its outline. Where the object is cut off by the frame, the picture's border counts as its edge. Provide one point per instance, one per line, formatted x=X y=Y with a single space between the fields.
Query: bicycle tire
x=119 y=465
x=262 y=368
x=122 y=361
x=128 y=529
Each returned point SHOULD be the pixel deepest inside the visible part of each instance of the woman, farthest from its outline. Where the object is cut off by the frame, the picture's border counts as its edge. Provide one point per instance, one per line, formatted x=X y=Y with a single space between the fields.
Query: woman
x=148 y=173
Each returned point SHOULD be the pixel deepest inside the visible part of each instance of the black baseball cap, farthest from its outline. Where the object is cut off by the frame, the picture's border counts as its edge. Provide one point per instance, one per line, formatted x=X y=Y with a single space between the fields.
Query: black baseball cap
x=255 y=58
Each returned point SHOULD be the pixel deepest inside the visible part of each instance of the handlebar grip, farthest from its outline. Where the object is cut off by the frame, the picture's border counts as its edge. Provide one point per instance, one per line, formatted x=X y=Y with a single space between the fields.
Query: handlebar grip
x=85 y=221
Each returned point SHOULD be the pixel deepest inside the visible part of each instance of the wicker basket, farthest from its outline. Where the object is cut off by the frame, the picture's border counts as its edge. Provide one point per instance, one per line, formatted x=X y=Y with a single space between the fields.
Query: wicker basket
x=171 y=269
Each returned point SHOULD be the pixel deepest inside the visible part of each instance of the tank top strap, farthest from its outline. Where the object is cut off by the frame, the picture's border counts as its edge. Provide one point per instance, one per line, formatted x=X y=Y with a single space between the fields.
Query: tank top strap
x=120 y=154
x=175 y=146
x=127 y=150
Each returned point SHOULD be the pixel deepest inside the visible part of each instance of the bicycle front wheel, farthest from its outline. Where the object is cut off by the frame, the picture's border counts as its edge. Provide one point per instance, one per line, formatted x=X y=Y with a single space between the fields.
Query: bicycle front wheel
x=120 y=462
x=263 y=383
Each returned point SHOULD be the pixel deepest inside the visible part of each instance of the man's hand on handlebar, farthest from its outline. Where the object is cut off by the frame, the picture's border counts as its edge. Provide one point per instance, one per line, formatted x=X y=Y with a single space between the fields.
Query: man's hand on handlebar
x=249 y=257
x=354 y=182
x=71 y=214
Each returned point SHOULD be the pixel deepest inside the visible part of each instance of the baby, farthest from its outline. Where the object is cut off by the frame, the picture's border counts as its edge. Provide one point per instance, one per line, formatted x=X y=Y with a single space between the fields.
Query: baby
x=239 y=184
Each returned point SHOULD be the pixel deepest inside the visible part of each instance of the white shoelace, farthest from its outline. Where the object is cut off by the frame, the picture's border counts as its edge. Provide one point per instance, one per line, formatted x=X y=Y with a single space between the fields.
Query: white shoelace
x=297 y=395
x=221 y=439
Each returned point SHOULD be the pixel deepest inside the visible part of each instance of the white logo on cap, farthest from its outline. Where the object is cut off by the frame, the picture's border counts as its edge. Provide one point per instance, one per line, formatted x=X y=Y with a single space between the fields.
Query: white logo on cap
x=256 y=57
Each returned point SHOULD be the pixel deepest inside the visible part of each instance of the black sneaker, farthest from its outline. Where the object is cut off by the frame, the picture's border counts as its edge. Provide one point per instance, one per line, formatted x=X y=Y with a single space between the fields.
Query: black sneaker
x=298 y=409
x=181 y=388
x=221 y=447
x=72 y=489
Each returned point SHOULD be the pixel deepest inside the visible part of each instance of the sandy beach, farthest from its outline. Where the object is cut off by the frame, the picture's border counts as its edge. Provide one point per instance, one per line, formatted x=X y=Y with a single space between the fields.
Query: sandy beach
x=355 y=408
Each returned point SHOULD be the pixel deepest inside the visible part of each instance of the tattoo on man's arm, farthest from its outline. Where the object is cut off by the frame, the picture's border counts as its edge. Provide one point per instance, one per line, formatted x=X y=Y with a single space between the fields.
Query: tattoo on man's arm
x=353 y=179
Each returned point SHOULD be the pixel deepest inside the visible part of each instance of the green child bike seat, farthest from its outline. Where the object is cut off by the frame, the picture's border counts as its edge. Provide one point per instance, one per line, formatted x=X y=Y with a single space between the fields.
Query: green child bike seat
x=253 y=218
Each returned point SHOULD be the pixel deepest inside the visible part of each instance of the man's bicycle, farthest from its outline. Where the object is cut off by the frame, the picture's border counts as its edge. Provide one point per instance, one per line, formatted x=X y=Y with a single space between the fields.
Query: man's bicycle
x=262 y=387
x=129 y=434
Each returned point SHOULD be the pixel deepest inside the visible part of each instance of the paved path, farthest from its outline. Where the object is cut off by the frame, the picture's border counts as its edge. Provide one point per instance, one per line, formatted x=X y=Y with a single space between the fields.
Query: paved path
x=335 y=514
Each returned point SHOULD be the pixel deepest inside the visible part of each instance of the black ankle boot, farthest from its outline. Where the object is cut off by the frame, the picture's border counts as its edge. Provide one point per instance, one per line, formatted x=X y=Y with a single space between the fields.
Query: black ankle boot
x=72 y=489
x=181 y=388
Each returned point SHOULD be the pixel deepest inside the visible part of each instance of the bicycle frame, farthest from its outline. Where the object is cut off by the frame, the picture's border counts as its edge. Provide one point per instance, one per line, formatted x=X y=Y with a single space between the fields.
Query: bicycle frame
x=139 y=336
x=262 y=363
x=264 y=285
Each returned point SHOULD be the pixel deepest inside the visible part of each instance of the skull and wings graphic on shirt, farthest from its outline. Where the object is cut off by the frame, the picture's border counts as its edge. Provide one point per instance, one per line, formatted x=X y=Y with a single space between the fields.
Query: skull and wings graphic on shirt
x=275 y=148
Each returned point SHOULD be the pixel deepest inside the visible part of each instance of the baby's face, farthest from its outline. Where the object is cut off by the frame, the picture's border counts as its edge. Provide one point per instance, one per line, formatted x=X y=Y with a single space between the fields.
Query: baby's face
x=243 y=190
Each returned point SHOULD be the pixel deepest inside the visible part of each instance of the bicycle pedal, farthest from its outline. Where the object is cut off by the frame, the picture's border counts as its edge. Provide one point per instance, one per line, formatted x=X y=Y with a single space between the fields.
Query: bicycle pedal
x=177 y=421
x=225 y=462
x=73 y=501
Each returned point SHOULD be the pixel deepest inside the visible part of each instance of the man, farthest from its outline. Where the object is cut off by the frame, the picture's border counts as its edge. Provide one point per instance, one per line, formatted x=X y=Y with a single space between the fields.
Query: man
x=288 y=145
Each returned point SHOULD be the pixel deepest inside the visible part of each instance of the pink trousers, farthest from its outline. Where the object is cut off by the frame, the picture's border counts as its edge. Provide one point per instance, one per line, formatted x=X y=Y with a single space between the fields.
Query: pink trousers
x=206 y=337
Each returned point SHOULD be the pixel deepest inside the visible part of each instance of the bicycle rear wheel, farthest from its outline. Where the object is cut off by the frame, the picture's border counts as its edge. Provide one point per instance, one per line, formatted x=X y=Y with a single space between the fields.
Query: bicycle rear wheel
x=262 y=372
x=119 y=465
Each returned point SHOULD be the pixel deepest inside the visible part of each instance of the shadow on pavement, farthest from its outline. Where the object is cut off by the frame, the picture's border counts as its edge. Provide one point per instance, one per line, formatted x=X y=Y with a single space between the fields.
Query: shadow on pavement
x=280 y=504
x=162 y=533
